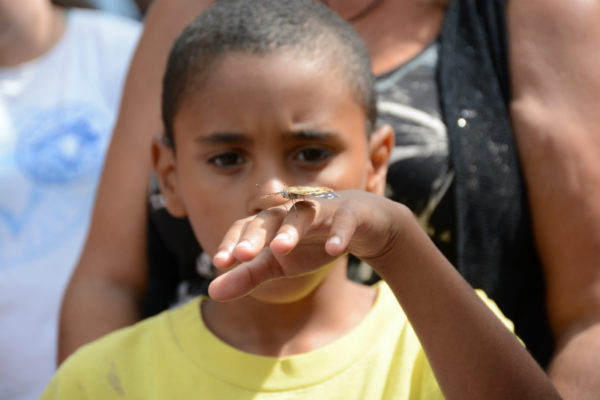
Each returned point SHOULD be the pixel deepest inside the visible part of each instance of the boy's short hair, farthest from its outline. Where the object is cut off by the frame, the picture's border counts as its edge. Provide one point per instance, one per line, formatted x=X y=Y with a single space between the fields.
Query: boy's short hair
x=264 y=27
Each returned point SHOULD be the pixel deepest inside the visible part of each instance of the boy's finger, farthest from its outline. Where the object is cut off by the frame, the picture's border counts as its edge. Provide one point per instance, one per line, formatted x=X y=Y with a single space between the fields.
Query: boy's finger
x=342 y=229
x=244 y=278
x=223 y=258
x=296 y=223
x=258 y=232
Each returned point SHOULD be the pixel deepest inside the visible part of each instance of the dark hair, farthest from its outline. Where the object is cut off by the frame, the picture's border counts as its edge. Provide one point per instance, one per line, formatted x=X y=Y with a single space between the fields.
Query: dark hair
x=264 y=27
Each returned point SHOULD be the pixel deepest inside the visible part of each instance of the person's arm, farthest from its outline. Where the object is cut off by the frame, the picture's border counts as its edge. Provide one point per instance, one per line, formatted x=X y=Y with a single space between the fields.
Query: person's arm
x=108 y=285
x=143 y=5
x=556 y=116
x=472 y=354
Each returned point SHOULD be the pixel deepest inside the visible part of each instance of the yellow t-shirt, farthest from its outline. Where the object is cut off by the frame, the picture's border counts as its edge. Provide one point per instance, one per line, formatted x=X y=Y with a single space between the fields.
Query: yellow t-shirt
x=174 y=356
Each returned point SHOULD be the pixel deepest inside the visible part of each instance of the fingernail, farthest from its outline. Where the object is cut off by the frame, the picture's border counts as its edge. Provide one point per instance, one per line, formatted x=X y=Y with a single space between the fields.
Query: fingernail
x=244 y=244
x=283 y=236
x=222 y=255
x=335 y=240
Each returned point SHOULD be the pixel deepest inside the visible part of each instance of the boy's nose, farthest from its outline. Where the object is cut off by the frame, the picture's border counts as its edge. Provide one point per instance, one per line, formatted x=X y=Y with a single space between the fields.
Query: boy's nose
x=266 y=195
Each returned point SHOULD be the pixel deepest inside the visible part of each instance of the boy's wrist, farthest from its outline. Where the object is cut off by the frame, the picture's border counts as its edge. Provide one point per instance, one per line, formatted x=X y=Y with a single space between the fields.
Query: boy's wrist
x=401 y=223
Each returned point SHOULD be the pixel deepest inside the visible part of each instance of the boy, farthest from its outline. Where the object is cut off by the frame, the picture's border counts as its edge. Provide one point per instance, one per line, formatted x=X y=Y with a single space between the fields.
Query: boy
x=259 y=95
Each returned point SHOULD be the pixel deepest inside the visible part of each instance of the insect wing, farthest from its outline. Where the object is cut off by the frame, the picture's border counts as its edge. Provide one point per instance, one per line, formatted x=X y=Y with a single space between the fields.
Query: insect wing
x=297 y=192
x=324 y=194
x=266 y=196
x=318 y=192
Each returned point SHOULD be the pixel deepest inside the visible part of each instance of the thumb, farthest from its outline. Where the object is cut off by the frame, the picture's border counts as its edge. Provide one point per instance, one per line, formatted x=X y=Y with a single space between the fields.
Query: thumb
x=245 y=277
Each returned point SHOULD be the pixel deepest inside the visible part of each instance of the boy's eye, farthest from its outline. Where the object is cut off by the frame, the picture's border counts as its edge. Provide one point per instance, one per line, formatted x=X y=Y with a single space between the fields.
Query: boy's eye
x=313 y=155
x=225 y=160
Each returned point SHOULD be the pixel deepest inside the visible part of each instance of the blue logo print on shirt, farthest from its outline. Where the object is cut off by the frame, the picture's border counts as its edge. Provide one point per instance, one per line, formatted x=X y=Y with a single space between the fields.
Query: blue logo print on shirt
x=52 y=175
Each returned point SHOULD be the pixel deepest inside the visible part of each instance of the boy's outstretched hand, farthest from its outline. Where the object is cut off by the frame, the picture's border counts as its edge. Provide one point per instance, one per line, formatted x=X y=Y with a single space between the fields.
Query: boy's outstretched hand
x=470 y=350
x=287 y=241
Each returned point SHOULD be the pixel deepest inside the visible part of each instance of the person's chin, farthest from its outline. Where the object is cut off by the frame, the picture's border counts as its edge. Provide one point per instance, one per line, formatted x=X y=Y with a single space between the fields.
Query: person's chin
x=289 y=290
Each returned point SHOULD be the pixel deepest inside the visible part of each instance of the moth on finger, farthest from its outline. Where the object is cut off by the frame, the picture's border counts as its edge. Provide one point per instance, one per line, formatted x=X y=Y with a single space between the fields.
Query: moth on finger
x=301 y=192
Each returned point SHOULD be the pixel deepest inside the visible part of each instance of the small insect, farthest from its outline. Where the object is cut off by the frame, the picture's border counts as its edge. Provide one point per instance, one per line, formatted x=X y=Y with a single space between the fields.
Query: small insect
x=301 y=192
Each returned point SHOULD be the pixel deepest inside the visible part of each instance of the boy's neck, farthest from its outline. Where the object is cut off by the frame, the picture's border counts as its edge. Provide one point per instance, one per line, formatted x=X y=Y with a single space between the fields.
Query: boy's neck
x=277 y=330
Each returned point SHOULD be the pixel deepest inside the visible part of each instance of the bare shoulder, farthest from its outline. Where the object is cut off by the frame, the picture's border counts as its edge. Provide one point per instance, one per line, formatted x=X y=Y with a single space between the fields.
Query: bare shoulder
x=553 y=47
x=566 y=14
x=553 y=43
x=553 y=8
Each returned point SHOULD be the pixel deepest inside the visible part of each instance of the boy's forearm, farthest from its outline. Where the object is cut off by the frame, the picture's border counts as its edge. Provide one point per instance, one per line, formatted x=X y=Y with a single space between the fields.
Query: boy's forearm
x=471 y=352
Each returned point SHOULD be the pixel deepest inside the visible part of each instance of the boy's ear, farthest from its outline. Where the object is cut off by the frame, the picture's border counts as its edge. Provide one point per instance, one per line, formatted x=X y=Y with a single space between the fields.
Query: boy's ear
x=381 y=144
x=163 y=160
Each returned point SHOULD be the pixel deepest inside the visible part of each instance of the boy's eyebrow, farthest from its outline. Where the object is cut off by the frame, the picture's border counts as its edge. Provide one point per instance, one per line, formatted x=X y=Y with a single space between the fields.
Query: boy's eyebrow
x=223 y=137
x=312 y=134
x=234 y=137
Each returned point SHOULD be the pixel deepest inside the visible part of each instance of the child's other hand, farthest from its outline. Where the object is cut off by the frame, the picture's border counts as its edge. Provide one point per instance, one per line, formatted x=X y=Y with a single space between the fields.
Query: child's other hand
x=285 y=241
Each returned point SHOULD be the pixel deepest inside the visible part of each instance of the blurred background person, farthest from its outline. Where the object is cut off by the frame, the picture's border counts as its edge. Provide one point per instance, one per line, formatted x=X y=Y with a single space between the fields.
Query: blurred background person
x=127 y=8
x=494 y=104
x=61 y=74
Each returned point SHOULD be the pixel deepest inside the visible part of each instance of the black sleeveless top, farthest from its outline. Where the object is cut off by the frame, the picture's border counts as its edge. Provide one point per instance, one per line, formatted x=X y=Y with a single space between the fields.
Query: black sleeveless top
x=495 y=248
x=461 y=177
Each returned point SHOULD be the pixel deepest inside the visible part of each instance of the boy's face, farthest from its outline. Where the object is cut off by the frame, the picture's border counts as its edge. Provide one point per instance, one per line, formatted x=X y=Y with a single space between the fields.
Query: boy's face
x=259 y=124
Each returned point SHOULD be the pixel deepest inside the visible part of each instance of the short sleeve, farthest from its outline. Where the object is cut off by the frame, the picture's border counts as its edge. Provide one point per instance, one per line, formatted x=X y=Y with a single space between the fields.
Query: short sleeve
x=496 y=310
x=64 y=386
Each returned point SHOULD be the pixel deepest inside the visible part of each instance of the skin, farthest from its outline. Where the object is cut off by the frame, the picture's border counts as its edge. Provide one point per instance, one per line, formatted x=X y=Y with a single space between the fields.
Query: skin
x=143 y=5
x=28 y=29
x=288 y=291
x=554 y=115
